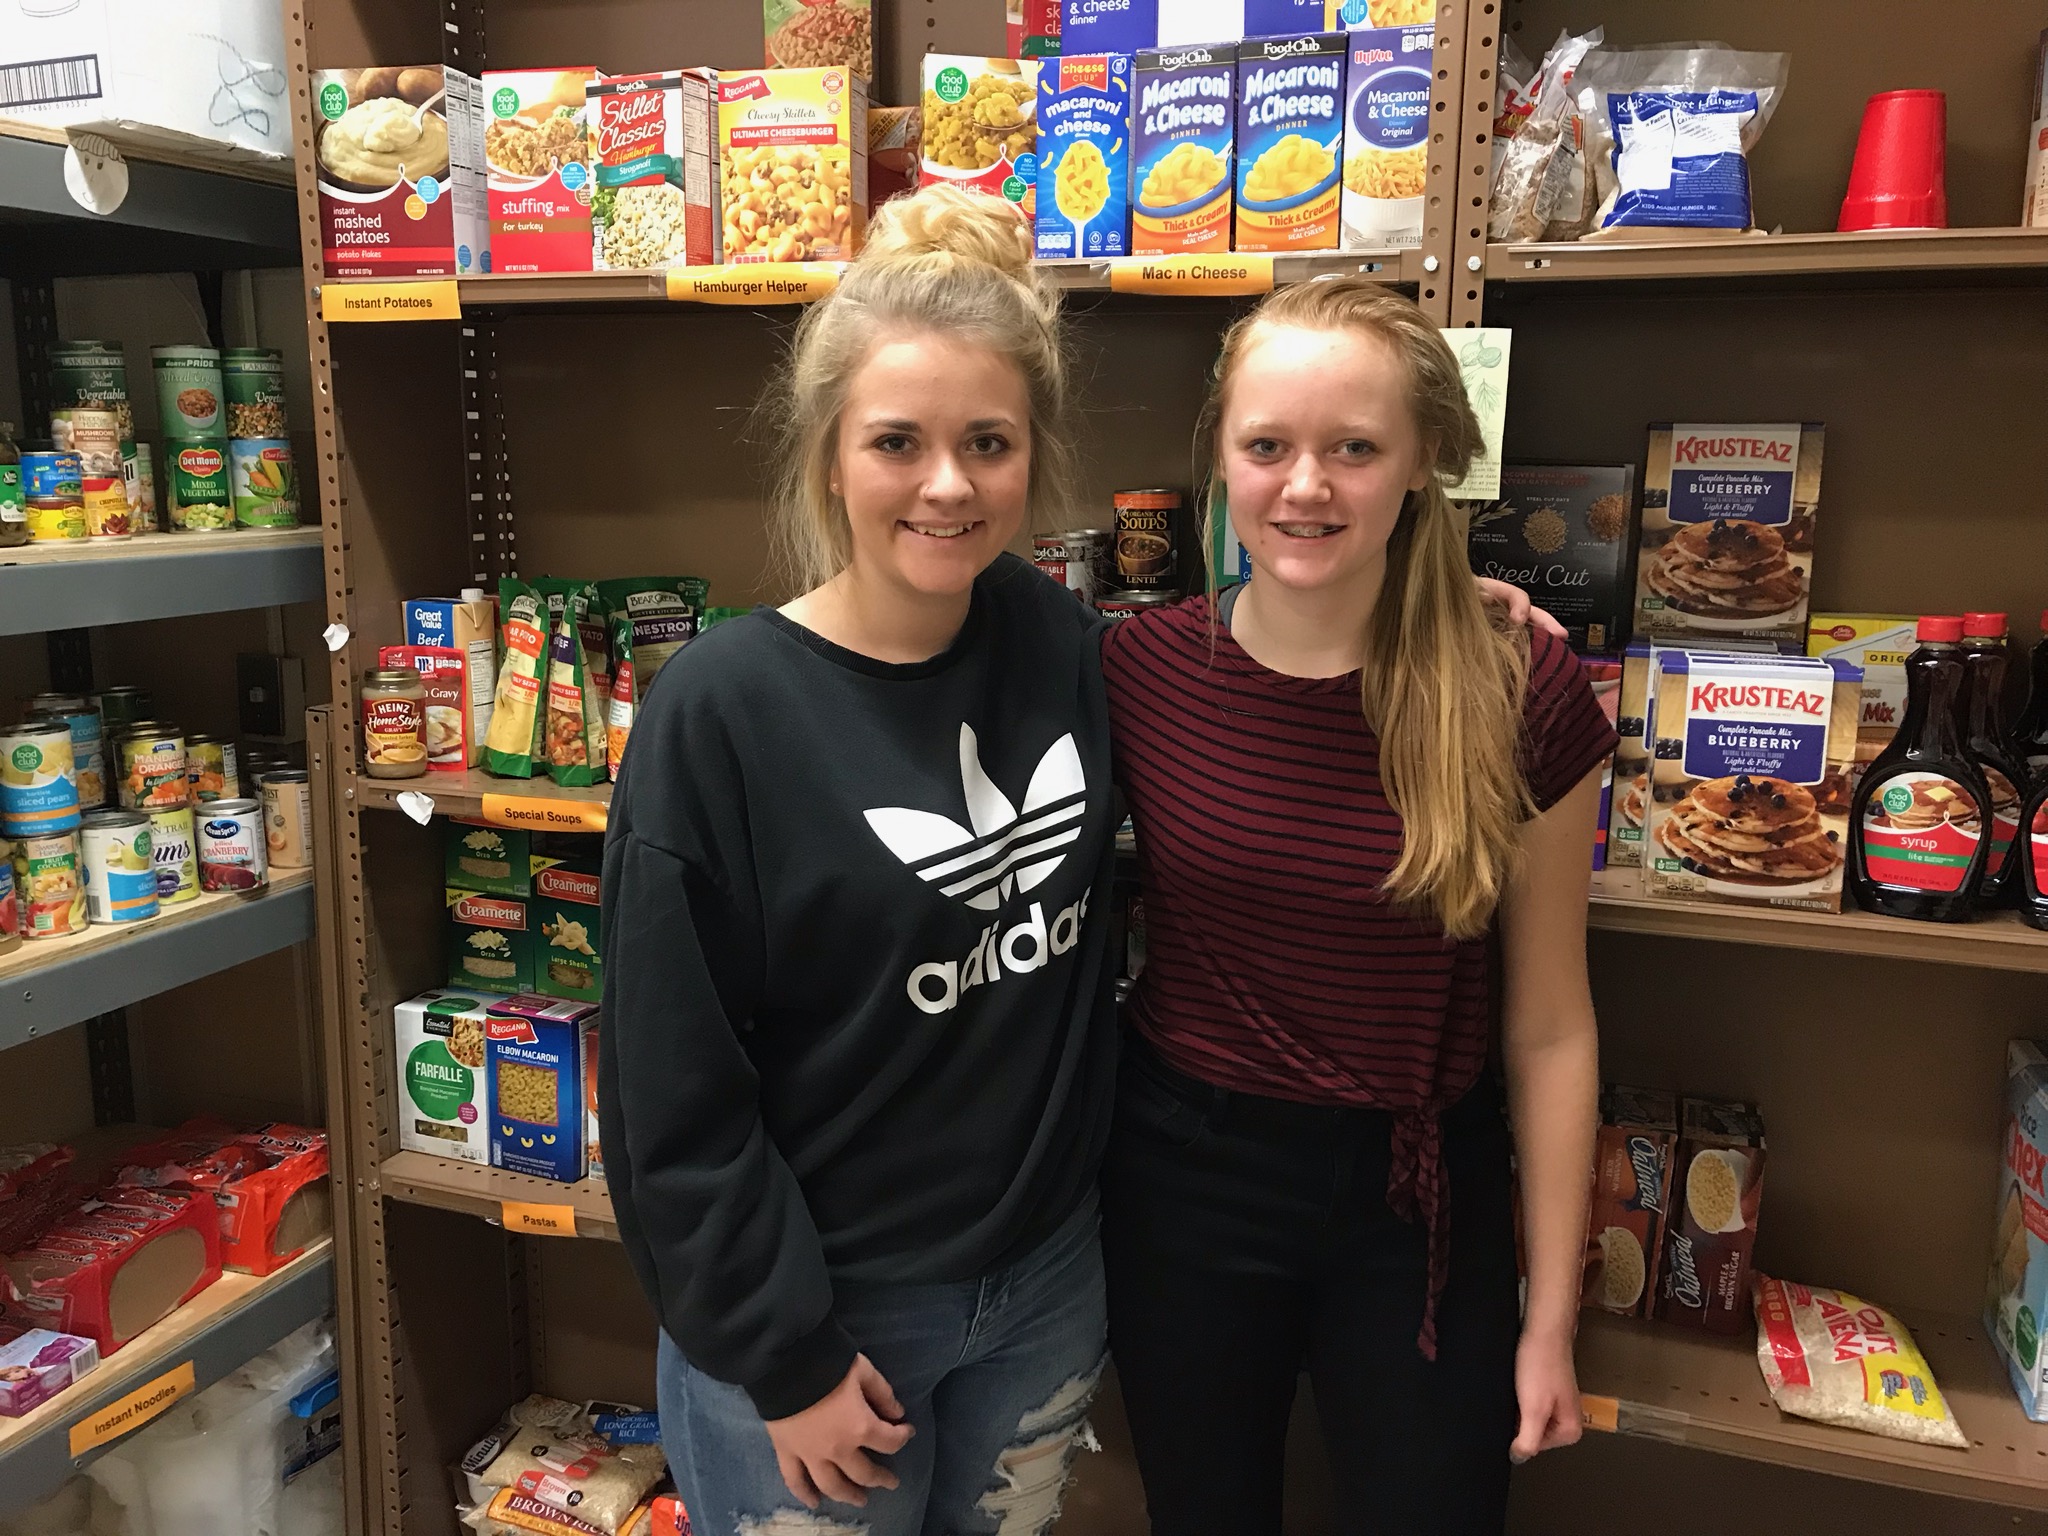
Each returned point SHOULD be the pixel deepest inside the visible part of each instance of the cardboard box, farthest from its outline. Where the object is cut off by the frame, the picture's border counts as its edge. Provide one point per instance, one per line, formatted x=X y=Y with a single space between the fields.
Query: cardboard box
x=401 y=189
x=1562 y=533
x=1728 y=520
x=653 y=155
x=811 y=121
x=980 y=126
x=446 y=721
x=1388 y=75
x=569 y=952
x=536 y=141
x=442 y=1069
x=1629 y=819
x=1084 y=156
x=2016 y=1292
x=490 y=942
x=1633 y=1157
x=467 y=624
x=492 y=861
x=1879 y=643
x=1603 y=673
x=801 y=34
x=593 y=1149
x=1750 y=780
x=1290 y=112
x=36 y=1364
x=1183 y=135
x=1715 y=1198
x=1108 y=26
x=538 y=1047
x=1031 y=28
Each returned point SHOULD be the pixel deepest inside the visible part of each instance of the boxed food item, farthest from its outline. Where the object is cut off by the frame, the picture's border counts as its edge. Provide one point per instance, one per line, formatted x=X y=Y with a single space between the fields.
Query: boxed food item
x=445 y=718
x=1879 y=643
x=1388 y=75
x=593 y=1149
x=893 y=135
x=490 y=942
x=1637 y=1145
x=2016 y=1293
x=1031 y=28
x=2034 y=198
x=981 y=126
x=1716 y=1194
x=1290 y=129
x=493 y=861
x=1183 y=135
x=1750 y=785
x=820 y=34
x=469 y=625
x=439 y=1038
x=793 y=164
x=1561 y=533
x=1604 y=674
x=537 y=1068
x=401 y=179
x=536 y=142
x=1084 y=156
x=36 y=1364
x=270 y=1186
x=116 y=1264
x=565 y=907
x=1108 y=26
x=1727 y=522
x=1629 y=818
x=653 y=143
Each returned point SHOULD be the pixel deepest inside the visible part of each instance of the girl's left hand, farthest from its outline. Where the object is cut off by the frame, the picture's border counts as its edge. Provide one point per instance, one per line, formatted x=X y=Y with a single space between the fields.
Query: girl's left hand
x=1520 y=609
x=1547 y=1391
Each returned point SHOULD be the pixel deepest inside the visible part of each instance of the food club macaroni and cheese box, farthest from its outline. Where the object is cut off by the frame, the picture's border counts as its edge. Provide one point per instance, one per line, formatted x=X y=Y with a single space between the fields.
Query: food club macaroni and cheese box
x=981 y=125
x=1084 y=156
x=1388 y=74
x=538 y=1064
x=537 y=164
x=1290 y=132
x=1183 y=129
x=2016 y=1294
x=809 y=122
x=401 y=182
x=441 y=1052
x=653 y=144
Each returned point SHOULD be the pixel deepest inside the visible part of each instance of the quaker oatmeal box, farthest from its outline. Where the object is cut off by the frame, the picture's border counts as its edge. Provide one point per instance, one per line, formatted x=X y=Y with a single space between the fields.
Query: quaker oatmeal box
x=2016 y=1291
x=1561 y=532
x=536 y=143
x=1716 y=1191
x=401 y=179
x=1632 y=1167
x=653 y=155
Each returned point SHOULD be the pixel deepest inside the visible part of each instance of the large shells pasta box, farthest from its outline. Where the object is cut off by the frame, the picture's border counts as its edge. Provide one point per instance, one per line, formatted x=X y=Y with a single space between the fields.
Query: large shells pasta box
x=440 y=1053
x=490 y=942
x=569 y=956
x=1562 y=533
x=36 y=1364
x=116 y=1264
x=1388 y=75
x=399 y=160
x=980 y=125
x=536 y=144
x=2016 y=1291
x=1632 y=1164
x=653 y=154
x=793 y=164
x=1290 y=141
x=1727 y=533
x=1750 y=794
x=1716 y=1194
x=1183 y=138
x=538 y=1049
x=1084 y=156
x=1879 y=643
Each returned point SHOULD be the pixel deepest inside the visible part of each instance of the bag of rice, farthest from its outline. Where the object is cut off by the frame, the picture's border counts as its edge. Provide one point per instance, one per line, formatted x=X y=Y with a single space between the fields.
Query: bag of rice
x=1541 y=186
x=513 y=740
x=1837 y=1358
x=596 y=1463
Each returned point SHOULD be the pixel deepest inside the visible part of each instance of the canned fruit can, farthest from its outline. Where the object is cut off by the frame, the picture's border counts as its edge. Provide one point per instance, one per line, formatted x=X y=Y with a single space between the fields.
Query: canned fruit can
x=138 y=474
x=122 y=708
x=1144 y=531
x=38 y=778
x=105 y=499
x=188 y=391
x=153 y=772
x=201 y=498
x=92 y=374
x=91 y=433
x=53 y=495
x=10 y=906
x=254 y=379
x=234 y=854
x=49 y=886
x=210 y=769
x=265 y=483
x=88 y=744
x=288 y=817
x=118 y=850
x=174 y=850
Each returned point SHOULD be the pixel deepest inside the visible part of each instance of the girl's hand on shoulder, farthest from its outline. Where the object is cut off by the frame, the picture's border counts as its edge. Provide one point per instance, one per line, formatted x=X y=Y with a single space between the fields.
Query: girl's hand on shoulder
x=1547 y=1392
x=1520 y=609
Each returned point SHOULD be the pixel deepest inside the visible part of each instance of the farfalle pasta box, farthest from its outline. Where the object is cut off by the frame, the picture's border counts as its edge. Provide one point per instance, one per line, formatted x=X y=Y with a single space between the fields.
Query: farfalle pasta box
x=399 y=159
x=2016 y=1290
x=536 y=151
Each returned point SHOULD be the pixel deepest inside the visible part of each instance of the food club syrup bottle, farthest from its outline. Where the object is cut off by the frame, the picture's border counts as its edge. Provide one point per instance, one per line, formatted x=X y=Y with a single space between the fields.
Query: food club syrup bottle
x=1985 y=735
x=2030 y=731
x=2032 y=855
x=1918 y=841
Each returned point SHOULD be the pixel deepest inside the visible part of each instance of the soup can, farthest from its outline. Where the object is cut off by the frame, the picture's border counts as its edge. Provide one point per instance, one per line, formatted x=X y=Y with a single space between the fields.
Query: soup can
x=174 y=851
x=88 y=743
x=202 y=500
x=1144 y=538
x=104 y=499
x=122 y=709
x=1049 y=554
x=210 y=769
x=53 y=492
x=94 y=434
x=49 y=886
x=1125 y=605
x=38 y=778
x=93 y=374
x=255 y=389
x=10 y=907
x=264 y=483
x=118 y=850
x=188 y=391
x=288 y=817
x=234 y=853
x=1088 y=561
x=152 y=766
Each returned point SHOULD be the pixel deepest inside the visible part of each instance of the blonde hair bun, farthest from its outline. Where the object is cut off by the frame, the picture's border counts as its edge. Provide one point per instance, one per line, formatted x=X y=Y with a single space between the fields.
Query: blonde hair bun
x=945 y=220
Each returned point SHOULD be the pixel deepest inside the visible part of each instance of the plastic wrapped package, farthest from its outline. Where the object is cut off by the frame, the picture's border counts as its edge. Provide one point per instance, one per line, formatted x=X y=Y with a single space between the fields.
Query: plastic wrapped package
x=1542 y=188
x=595 y=1462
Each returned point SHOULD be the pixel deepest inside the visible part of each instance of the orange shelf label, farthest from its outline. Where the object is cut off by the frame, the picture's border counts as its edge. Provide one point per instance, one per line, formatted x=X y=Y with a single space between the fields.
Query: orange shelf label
x=541 y=1220
x=1191 y=276
x=420 y=299
x=132 y=1411
x=546 y=815
x=1601 y=1413
x=758 y=282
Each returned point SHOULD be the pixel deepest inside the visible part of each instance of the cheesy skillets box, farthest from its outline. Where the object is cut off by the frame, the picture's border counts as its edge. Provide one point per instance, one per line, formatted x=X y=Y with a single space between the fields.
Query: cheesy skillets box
x=538 y=1051
x=1290 y=139
x=1084 y=156
x=1183 y=127
x=793 y=164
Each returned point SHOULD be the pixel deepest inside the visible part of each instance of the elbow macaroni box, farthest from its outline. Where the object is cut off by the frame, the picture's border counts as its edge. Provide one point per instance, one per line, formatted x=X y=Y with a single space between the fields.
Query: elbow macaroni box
x=490 y=942
x=652 y=157
x=441 y=1071
x=1108 y=26
x=537 y=168
x=1183 y=130
x=1388 y=75
x=792 y=164
x=1290 y=138
x=2016 y=1292
x=567 y=915
x=537 y=1067
x=1084 y=156
x=980 y=126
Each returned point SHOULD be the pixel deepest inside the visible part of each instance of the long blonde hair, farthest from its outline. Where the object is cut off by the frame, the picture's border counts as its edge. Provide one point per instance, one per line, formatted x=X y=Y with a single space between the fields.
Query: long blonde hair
x=1444 y=675
x=944 y=261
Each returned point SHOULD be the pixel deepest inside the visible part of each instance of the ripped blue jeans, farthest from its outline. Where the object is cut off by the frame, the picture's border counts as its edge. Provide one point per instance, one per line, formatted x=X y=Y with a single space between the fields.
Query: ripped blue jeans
x=996 y=1374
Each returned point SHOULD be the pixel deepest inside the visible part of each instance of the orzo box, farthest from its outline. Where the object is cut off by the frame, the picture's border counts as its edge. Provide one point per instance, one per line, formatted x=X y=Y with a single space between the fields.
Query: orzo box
x=537 y=1066
x=401 y=183
x=1716 y=1194
x=793 y=164
x=537 y=166
x=652 y=154
x=494 y=861
x=820 y=34
x=1632 y=1161
x=1183 y=127
x=981 y=126
x=1388 y=76
x=490 y=942
x=439 y=1041
x=1084 y=158
x=1290 y=133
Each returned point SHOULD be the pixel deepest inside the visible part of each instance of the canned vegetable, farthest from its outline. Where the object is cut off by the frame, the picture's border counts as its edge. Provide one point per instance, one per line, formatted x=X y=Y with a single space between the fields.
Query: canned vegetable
x=91 y=373
x=188 y=391
x=53 y=492
x=265 y=483
x=201 y=500
x=255 y=389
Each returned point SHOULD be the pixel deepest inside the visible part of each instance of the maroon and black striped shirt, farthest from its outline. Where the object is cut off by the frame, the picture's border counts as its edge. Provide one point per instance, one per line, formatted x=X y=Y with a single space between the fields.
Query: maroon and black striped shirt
x=1274 y=963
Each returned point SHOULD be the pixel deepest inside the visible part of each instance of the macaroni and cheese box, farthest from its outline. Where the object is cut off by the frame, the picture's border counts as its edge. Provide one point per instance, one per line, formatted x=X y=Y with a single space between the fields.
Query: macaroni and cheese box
x=1716 y=1192
x=1183 y=129
x=802 y=34
x=538 y=1049
x=1749 y=796
x=537 y=166
x=981 y=126
x=401 y=190
x=569 y=956
x=1290 y=133
x=792 y=164
x=1388 y=74
x=1879 y=643
x=1084 y=156
x=1108 y=26
x=1561 y=532
x=440 y=1054
x=490 y=942
x=1728 y=520
x=1633 y=1154
x=653 y=159
x=493 y=861
x=468 y=624
x=2016 y=1292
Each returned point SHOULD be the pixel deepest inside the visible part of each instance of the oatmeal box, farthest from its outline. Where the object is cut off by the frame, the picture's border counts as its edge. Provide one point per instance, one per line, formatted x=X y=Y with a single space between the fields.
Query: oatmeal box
x=1631 y=1205
x=1562 y=533
x=399 y=158
x=1715 y=1194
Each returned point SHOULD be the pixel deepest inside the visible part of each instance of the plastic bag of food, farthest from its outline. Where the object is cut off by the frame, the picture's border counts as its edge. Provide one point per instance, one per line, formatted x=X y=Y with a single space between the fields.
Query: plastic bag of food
x=597 y=1463
x=1671 y=130
x=650 y=618
x=578 y=691
x=511 y=1513
x=1837 y=1358
x=517 y=716
x=1541 y=189
x=1513 y=99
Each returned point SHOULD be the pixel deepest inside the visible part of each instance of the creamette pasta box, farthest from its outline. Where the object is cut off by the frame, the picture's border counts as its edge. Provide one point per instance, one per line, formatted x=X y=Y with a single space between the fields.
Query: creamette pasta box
x=980 y=126
x=653 y=161
x=568 y=917
x=792 y=164
x=440 y=1051
x=538 y=1049
x=1183 y=130
x=2016 y=1293
x=1290 y=138
x=1387 y=80
x=490 y=942
x=1084 y=156
x=492 y=861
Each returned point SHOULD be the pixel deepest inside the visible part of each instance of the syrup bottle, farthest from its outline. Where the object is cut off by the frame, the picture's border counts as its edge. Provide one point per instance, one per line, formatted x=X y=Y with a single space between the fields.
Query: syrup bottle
x=2031 y=855
x=1985 y=735
x=1919 y=842
x=2030 y=731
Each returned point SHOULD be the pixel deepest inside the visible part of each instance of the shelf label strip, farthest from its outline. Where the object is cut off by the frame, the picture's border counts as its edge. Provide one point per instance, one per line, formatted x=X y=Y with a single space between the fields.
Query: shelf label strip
x=528 y=812
x=1601 y=1413
x=417 y=299
x=132 y=1411
x=538 y=1220
x=1191 y=276
x=762 y=282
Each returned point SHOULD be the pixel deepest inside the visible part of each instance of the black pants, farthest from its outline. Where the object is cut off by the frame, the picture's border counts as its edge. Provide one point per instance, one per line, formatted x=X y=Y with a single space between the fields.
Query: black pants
x=1247 y=1238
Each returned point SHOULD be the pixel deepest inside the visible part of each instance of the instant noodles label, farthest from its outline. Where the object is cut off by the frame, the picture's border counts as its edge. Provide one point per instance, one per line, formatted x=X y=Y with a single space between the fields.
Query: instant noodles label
x=1182 y=132
x=1921 y=830
x=1290 y=134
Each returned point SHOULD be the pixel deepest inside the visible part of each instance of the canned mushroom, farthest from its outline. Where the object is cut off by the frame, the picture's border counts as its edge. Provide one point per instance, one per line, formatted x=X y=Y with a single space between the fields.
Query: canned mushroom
x=234 y=854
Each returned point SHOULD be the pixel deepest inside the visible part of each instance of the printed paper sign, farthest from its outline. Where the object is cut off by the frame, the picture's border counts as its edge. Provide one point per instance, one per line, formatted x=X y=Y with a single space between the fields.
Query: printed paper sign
x=524 y=812
x=538 y=1220
x=758 y=282
x=133 y=1411
x=1482 y=354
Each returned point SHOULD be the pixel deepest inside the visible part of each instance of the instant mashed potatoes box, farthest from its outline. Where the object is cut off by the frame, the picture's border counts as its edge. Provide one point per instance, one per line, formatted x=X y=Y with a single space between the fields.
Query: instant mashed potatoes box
x=793 y=164
x=400 y=174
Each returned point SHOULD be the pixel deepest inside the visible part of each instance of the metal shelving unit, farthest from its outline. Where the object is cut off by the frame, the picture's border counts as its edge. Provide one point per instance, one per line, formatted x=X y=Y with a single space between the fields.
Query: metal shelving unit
x=156 y=576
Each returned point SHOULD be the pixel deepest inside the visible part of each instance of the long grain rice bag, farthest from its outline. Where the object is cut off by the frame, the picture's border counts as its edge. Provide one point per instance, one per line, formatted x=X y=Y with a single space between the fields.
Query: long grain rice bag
x=1837 y=1358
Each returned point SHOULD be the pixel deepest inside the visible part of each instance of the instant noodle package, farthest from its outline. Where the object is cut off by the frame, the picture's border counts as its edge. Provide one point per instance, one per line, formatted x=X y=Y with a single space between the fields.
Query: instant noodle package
x=269 y=1185
x=115 y=1264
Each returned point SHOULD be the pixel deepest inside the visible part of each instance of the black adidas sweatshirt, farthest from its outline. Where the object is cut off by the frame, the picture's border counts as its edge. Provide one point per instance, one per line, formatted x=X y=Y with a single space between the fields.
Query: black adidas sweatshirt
x=857 y=1015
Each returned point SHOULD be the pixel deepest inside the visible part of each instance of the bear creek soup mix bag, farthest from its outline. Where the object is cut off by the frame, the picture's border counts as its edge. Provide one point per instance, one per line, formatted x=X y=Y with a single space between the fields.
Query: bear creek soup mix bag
x=516 y=718
x=1837 y=1358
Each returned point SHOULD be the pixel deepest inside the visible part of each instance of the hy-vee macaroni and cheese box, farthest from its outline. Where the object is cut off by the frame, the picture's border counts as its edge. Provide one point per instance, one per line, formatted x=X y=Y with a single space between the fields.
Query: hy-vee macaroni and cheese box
x=439 y=1039
x=1183 y=127
x=1084 y=156
x=1387 y=80
x=1290 y=137
x=2016 y=1293
x=538 y=1049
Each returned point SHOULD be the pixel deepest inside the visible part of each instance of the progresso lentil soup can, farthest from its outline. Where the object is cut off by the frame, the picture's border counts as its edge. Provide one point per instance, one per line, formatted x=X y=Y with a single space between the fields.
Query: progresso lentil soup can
x=1143 y=533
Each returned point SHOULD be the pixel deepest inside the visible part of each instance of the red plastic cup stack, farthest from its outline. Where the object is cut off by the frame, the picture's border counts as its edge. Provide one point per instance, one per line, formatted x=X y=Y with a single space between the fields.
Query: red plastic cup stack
x=1899 y=180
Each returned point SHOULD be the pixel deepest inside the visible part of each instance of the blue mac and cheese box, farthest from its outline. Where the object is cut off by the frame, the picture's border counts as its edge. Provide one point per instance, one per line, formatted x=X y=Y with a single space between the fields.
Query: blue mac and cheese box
x=1084 y=156
x=1290 y=141
x=537 y=1061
